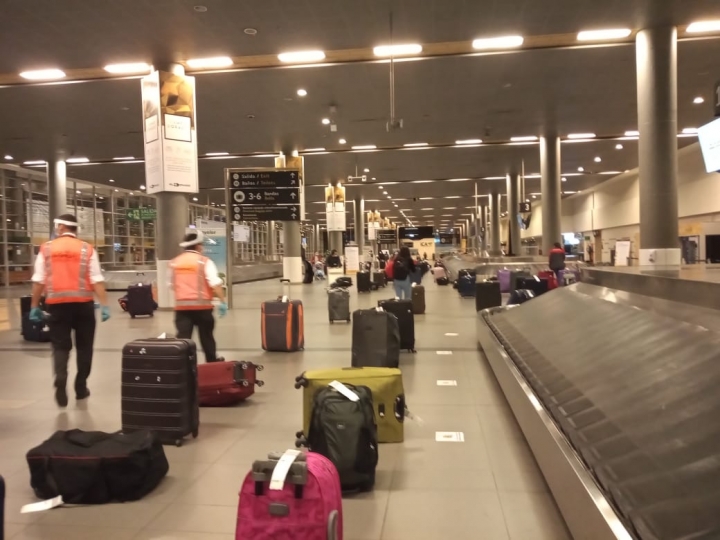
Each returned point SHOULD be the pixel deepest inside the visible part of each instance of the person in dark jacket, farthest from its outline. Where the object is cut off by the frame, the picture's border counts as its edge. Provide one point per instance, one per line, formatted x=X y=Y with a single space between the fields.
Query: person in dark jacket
x=333 y=260
x=556 y=260
x=403 y=267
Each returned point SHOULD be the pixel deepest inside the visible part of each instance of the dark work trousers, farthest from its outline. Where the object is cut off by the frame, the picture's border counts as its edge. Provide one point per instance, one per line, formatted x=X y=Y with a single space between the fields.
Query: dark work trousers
x=187 y=319
x=63 y=320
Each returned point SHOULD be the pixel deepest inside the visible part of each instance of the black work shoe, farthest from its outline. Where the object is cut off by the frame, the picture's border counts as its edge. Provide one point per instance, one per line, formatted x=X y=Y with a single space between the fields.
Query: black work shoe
x=82 y=394
x=61 y=396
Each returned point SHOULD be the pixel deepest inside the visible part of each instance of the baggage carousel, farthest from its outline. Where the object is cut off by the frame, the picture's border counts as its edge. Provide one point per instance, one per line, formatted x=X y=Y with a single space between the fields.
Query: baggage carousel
x=618 y=396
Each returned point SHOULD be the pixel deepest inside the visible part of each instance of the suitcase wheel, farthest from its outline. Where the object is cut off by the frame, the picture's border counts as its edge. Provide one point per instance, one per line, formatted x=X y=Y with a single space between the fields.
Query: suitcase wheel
x=299 y=435
x=260 y=383
x=244 y=366
x=245 y=383
x=331 y=321
x=259 y=368
x=178 y=443
x=132 y=316
x=195 y=434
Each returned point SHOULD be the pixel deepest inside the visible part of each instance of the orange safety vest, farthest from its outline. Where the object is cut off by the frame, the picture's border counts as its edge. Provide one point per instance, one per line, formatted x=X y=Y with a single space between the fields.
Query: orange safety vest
x=67 y=270
x=191 y=289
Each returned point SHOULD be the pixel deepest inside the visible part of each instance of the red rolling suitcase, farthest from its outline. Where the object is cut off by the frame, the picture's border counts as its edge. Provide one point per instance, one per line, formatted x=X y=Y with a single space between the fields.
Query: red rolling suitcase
x=550 y=276
x=226 y=383
x=304 y=503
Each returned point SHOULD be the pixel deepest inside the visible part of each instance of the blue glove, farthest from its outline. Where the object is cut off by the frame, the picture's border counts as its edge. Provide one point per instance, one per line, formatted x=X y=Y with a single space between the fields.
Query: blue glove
x=105 y=313
x=222 y=309
x=36 y=314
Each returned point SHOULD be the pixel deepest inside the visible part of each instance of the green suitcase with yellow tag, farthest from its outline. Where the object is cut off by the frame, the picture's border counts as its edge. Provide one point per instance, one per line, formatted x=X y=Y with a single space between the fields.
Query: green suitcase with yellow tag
x=387 y=389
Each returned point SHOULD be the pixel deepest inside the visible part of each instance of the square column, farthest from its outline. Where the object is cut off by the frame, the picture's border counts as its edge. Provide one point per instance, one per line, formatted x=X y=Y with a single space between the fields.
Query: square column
x=551 y=191
x=513 y=193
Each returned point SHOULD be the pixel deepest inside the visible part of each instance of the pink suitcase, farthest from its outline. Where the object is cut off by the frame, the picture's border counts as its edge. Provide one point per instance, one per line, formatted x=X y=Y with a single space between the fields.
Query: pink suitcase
x=308 y=507
x=439 y=273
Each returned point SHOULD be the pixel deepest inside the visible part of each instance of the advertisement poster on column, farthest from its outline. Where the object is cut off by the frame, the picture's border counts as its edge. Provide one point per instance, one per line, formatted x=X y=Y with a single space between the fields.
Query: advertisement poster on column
x=215 y=247
x=170 y=134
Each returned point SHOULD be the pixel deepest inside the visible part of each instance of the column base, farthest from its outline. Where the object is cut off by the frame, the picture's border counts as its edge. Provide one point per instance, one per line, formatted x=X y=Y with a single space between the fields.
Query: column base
x=293 y=269
x=660 y=257
x=166 y=297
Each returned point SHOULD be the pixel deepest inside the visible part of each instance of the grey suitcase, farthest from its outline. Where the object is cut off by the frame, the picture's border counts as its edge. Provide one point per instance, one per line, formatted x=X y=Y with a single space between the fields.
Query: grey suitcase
x=375 y=339
x=338 y=305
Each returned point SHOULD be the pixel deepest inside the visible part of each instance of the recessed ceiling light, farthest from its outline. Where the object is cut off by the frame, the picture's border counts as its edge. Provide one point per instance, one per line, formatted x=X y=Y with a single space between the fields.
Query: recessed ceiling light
x=619 y=146
x=632 y=133
x=366 y=170
x=373 y=178
x=342 y=141
x=209 y=63
x=704 y=26
x=389 y=197
x=581 y=169
x=575 y=136
x=690 y=131
x=365 y=147
x=502 y=42
x=131 y=67
x=210 y=154
x=384 y=51
x=395 y=205
x=43 y=74
x=195 y=199
x=385 y=193
x=698 y=100
x=602 y=35
x=314 y=150
x=35 y=162
x=112 y=181
x=200 y=9
x=250 y=31
x=528 y=138
x=301 y=57
x=77 y=160
x=380 y=187
x=302 y=92
x=325 y=121
x=77 y=191
x=142 y=187
x=598 y=159
x=8 y=157
x=564 y=179
x=469 y=141
x=415 y=145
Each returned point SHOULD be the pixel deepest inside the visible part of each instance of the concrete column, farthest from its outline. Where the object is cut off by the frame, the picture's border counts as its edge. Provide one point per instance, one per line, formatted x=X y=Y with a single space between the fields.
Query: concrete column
x=336 y=241
x=292 y=248
x=551 y=190
x=170 y=226
x=495 y=244
x=484 y=233
x=359 y=223
x=271 y=239
x=513 y=194
x=57 y=189
x=656 y=57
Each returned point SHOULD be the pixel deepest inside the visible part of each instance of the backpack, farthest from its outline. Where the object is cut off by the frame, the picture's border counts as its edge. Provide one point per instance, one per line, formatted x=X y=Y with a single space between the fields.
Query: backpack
x=400 y=269
x=344 y=431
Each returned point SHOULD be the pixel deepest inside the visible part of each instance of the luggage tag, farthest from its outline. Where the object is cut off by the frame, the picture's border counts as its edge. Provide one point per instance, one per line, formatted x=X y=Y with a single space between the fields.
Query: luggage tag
x=162 y=336
x=344 y=390
x=277 y=480
x=284 y=298
x=41 y=506
x=410 y=416
x=379 y=309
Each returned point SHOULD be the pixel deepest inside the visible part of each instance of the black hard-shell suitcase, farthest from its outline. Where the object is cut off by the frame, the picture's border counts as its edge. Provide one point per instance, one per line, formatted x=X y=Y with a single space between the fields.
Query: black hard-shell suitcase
x=375 y=339
x=487 y=295
x=92 y=467
x=32 y=331
x=140 y=300
x=403 y=310
x=345 y=432
x=283 y=323
x=339 y=305
x=535 y=284
x=466 y=286
x=514 y=275
x=364 y=282
x=418 y=299
x=379 y=279
x=160 y=388
x=520 y=296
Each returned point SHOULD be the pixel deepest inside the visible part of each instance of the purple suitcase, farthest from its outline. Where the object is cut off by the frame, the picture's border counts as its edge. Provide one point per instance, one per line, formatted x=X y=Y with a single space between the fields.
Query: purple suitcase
x=504 y=279
x=568 y=271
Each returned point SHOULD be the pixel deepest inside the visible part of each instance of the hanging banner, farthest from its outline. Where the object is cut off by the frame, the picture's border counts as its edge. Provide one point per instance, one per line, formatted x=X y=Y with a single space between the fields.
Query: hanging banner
x=169 y=127
x=335 y=208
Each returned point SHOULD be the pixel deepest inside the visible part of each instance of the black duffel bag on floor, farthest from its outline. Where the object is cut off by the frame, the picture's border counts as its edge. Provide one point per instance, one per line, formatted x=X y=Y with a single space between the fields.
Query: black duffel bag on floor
x=92 y=467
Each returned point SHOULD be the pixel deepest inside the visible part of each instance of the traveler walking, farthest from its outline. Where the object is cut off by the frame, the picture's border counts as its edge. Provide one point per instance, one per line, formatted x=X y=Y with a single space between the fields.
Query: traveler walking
x=194 y=278
x=403 y=267
x=68 y=271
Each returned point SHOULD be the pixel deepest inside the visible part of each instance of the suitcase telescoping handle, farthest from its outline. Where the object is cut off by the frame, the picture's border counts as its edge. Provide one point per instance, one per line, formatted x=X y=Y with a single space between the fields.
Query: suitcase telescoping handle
x=286 y=288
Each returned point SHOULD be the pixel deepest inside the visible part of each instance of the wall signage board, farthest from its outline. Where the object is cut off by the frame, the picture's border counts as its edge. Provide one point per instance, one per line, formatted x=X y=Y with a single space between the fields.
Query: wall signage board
x=141 y=214
x=264 y=194
x=387 y=236
x=525 y=207
x=170 y=135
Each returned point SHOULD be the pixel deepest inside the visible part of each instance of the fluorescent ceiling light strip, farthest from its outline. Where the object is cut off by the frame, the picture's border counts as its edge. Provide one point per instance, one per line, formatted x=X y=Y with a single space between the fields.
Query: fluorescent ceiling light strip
x=458 y=180
x=365 y=147
x=632 y=133
x=217 y=154
x=43 y=74
x=314 y=150
x=383 y=51
x=704 y=26
x=468 y=141
x=300 y=57
x=576 y=136
x=415 y=145
x=603 y=35
x=690 y=131
x=123 y=158
x=77 y=160
x=131 y=67
x=35 y=162
x=501 y=42
x=524 y=139
x=209 y=63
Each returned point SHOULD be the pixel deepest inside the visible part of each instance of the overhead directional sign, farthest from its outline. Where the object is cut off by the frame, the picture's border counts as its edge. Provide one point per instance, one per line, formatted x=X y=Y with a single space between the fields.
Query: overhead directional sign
x=264 y=194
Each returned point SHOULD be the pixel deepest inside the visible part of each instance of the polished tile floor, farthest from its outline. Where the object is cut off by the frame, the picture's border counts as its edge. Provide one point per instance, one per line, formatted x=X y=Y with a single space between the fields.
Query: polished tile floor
x=487 y=487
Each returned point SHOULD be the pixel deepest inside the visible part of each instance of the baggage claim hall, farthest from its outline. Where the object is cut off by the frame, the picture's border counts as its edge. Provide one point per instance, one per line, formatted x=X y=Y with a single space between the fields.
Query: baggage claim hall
x=537 y=183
